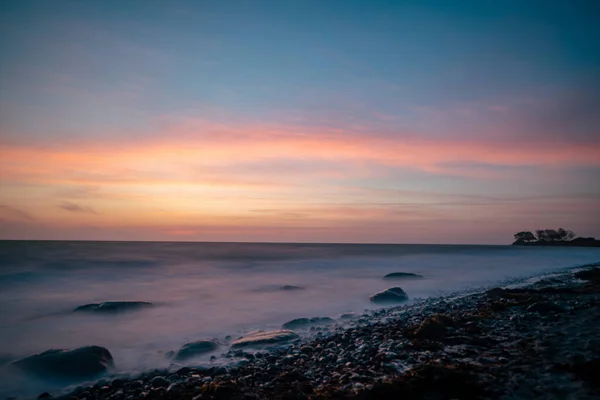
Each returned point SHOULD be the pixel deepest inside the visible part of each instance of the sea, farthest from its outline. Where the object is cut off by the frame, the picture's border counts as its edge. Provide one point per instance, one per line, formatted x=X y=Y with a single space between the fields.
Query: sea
x=211 y=290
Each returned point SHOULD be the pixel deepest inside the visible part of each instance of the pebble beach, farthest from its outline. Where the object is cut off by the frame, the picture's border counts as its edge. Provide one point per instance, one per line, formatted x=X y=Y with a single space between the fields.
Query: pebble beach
x=536 y=338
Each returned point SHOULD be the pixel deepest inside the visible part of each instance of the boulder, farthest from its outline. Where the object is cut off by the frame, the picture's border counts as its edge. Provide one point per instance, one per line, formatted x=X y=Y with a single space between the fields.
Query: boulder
x=291 y=287
x=305 y=323
x=197 y=348
x=402 y=275
x=113 y=307
x=592 y=274
x=390 y=296
x=261 y=338
x=348 y=315
x=68 y=365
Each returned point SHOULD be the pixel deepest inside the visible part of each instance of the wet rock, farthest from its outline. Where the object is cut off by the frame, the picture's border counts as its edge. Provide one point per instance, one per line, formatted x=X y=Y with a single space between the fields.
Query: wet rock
x=113 y=307
x=45 y=395
x=68 y=365
x=261 y=338
x=402 y=275
x=169 y=354
x=195 y=349
x=305 y=323
x=159 y=381
x=390 y=296
x=349 y=315
x=118 y=383
x=175 y=387
x=588 y=274
x=291 y=287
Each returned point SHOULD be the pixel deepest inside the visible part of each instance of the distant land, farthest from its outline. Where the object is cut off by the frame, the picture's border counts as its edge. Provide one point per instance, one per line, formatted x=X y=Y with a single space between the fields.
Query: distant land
x=553 y=237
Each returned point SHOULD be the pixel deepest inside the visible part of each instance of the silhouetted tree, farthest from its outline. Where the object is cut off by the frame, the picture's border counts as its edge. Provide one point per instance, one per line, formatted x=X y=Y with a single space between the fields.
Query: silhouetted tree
x=565 y=234
x=553 y=235
x=525 y=236
x=540 y=234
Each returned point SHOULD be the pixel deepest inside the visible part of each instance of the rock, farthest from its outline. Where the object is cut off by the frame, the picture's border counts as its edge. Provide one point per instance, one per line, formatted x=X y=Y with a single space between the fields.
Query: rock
x=349 y=315
x=169 y=354
x=291 y=287
x=305 y=323
x=159 y=381
x=402 y=275
x=69 y=365
x=45 y=395
x=197 y=348
x=118 y=383
x=113 y=307
x=260 y=338
x=433 y=328
x=588 y=274
x=544 y=307
x=392 y=295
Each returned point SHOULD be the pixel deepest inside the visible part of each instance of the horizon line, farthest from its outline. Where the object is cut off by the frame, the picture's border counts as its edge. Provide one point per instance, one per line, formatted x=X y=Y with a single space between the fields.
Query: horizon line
x=251 y=242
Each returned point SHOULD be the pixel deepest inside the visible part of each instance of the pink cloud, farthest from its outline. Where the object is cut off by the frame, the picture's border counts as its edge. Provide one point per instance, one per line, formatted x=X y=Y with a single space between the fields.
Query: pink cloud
x=198 y=142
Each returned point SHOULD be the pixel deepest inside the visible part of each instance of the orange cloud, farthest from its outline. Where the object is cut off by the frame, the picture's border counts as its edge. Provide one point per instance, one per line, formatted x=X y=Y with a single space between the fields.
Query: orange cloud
x=198 y=173
x=199 y=145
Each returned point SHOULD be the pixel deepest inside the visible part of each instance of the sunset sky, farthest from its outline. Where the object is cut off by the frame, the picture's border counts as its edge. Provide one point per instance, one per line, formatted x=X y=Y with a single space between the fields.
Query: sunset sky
x=313 y=121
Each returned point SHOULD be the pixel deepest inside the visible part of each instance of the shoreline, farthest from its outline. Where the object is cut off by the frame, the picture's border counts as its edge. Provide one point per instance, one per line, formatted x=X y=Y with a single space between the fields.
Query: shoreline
x=535 y=339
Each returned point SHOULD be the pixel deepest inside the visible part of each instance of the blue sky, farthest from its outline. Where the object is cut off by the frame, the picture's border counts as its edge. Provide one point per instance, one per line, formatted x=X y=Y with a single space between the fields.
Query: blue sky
x=469 y=98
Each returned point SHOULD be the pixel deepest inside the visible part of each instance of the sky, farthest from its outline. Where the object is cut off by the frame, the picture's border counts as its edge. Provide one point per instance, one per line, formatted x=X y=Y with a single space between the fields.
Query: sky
x=299 y=121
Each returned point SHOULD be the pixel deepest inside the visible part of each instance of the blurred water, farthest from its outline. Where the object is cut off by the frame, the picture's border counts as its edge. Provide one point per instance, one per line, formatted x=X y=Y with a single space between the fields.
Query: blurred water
x=216 y=289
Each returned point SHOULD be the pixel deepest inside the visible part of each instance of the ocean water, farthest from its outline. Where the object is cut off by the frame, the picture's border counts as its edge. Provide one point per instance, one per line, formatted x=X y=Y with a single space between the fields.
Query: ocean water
x=215 y=289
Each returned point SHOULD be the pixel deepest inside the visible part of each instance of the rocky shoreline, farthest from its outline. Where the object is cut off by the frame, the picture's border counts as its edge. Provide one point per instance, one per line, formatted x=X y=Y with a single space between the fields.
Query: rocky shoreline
x=535 y=340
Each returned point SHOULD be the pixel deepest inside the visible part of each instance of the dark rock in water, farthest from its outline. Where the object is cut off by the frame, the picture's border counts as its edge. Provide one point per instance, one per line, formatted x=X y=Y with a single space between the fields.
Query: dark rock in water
x=403 y=275
x=113 y=307
x=349 y=315
x=197 y=348
x=69 y=365
x=169 y=354
x=544 y=307
x=291 y=287
x=305 y=323
x=45 y=395
x=261 y=338
x=588 y=274
x=392 y=295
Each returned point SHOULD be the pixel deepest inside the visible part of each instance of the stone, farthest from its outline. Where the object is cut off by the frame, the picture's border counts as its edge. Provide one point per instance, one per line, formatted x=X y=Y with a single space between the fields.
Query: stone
x=195 y=349
x=592 y=274
x=402 y=275
x=291 y=287
x=305 y=323
x=113 y=307
x=159 y=381
x=68 y=365
x=261 y=338
x=390 y=296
